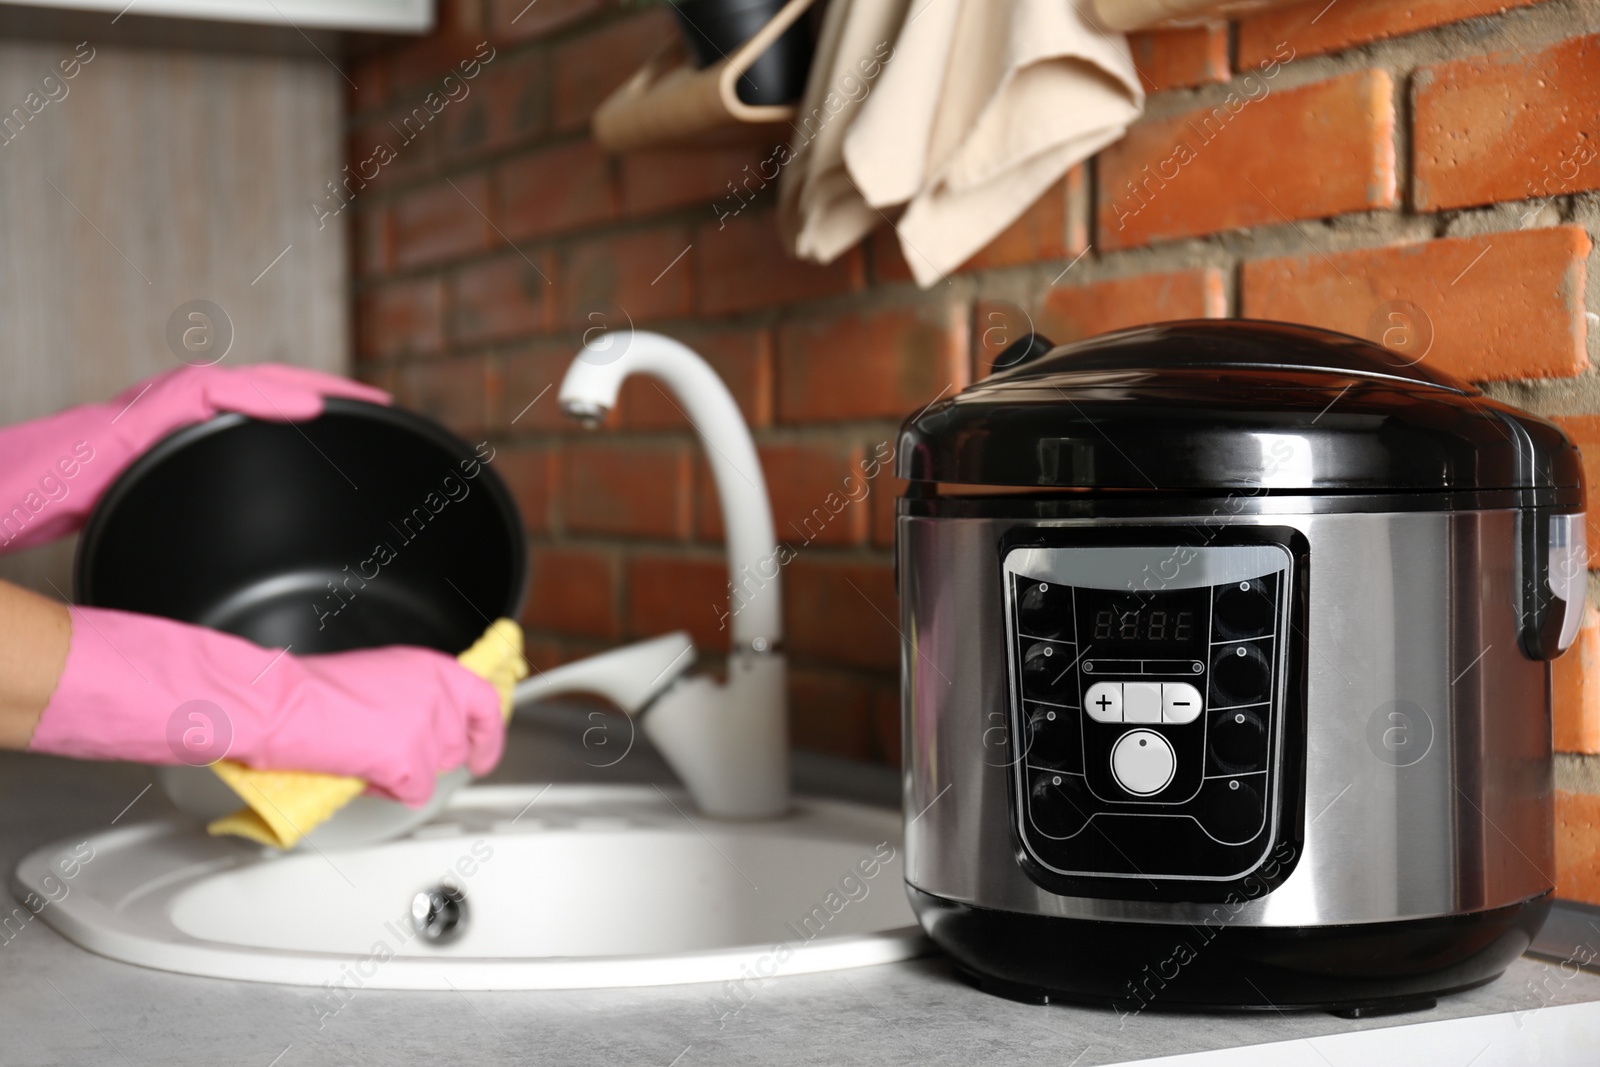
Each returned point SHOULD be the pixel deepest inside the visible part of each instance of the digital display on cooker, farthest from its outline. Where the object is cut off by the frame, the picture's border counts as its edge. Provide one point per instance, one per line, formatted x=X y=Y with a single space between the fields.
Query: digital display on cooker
x=1114 y=621
x=1138 y=624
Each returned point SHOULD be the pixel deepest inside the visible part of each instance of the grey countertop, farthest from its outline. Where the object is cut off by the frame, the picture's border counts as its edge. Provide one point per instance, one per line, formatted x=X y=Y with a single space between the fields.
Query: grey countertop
x=62 y=1005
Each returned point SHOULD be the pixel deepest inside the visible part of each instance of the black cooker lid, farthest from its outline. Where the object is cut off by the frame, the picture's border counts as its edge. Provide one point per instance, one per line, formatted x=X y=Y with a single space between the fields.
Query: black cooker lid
x=1236 y=404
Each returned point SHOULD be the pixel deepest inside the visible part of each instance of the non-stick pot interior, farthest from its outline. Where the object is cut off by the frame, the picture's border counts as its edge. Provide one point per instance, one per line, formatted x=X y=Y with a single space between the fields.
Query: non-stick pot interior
x=366 y=526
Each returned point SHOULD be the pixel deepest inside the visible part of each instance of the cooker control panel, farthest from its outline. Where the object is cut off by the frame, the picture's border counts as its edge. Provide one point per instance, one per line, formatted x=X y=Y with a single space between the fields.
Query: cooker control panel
x=1149 y=702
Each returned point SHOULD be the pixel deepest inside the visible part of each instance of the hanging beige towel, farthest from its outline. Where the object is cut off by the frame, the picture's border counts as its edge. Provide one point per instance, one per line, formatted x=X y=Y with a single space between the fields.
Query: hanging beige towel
x=820 y=212
x=984 y=105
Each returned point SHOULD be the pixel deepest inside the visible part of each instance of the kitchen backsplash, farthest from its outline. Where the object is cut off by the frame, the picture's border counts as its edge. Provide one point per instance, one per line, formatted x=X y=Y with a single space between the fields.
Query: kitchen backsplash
x=1421 y=174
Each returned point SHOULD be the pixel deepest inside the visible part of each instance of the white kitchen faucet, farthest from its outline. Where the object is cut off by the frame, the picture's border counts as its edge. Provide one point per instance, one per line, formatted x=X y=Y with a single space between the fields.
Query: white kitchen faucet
x=727 y=742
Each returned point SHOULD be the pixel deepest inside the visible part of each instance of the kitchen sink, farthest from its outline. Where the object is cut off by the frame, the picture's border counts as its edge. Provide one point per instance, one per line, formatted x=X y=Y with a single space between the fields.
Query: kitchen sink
x=553 y=887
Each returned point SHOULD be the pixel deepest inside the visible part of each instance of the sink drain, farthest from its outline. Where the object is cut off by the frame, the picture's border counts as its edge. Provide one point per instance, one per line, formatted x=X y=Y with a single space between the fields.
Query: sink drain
x=440 y=913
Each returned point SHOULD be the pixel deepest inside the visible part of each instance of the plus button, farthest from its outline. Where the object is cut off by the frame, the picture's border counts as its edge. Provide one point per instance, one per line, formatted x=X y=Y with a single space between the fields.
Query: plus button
x=1103 y=701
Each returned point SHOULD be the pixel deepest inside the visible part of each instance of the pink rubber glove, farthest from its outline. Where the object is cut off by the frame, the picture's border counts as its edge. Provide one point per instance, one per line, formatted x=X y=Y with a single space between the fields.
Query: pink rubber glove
x=141 y=688
x=56 y=467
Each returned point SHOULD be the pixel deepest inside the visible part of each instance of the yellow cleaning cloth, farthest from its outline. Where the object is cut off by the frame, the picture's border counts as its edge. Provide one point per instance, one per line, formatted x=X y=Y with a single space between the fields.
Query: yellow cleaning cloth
x=281 y=807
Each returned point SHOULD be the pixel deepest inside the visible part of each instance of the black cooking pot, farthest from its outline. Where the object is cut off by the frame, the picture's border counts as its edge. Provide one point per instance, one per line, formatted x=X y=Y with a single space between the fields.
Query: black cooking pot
x=366 y=526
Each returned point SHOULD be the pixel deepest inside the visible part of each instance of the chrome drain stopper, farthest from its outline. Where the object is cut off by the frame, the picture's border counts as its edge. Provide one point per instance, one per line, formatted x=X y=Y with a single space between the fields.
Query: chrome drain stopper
x=440 y=913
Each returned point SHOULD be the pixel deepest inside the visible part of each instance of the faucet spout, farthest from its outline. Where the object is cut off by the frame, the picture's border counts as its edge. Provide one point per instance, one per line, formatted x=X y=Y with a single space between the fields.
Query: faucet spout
x=729 y=743
x=590 y=389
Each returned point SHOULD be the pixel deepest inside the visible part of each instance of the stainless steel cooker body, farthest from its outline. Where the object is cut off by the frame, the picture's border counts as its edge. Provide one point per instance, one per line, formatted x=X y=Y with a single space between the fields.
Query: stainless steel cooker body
x=1226 y=680
x=1412 y=750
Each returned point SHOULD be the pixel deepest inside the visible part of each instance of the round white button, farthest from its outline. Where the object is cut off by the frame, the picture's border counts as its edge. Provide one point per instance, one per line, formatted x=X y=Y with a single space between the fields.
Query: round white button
x=1142 y=762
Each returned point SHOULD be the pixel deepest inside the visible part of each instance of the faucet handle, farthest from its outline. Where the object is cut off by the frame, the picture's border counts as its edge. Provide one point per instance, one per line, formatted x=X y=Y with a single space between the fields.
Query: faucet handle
x=630 y=677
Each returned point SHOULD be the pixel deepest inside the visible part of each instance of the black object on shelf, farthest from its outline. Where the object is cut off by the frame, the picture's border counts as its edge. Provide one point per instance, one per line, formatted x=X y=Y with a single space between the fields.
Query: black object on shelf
x=714 y=29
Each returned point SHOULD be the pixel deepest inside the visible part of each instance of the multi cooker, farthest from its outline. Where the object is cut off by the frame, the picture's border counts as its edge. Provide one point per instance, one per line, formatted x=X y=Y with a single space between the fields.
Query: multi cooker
x=1227 y=672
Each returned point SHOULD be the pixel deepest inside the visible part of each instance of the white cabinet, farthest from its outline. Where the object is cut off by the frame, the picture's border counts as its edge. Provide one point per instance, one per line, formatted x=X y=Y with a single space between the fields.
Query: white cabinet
x=390 y=16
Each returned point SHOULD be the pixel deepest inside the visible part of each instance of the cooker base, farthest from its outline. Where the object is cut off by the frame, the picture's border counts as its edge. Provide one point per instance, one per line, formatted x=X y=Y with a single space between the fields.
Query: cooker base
x=1363 y=969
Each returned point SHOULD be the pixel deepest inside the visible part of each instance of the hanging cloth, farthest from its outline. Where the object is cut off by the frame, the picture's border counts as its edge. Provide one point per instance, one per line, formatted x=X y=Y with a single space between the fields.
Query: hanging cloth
x=980 y=108
x=821 y=214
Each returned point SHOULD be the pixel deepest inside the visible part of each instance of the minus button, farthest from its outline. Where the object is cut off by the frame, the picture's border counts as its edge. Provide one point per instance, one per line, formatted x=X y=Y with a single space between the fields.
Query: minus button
x=1180 y=703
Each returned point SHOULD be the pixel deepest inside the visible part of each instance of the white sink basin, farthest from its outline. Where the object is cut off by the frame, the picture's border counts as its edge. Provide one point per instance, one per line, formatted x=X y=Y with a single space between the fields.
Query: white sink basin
x=566 y=887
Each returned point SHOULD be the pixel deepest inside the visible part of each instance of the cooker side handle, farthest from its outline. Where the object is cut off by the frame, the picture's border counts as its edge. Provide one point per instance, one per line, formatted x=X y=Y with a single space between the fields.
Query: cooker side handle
x=1552 y=555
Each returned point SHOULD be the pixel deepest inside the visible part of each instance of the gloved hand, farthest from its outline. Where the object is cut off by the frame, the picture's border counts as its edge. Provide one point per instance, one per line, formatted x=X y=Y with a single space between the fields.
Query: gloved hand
x=152 y=690
x=281 y=807
x=56 y=467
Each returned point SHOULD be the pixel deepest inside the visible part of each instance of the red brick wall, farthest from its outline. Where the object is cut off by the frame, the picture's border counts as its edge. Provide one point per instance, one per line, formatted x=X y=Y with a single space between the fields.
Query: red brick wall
x=1311 y=164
